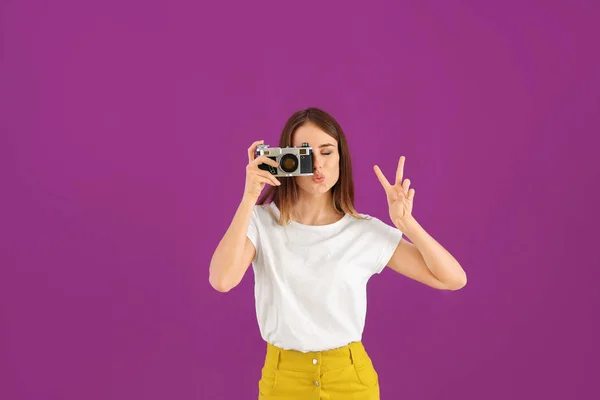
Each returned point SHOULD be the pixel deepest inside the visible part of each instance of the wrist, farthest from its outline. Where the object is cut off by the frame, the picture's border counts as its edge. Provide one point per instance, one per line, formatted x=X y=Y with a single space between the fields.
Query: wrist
x=248 y=200
x=406 y=225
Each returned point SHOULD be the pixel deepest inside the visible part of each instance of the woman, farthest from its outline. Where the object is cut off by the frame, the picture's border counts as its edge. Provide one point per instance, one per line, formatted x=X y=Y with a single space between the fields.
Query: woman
x=312 y=255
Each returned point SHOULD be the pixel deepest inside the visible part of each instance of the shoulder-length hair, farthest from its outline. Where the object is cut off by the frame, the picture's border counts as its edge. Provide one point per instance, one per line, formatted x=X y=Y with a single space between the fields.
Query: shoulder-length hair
x=286 y=195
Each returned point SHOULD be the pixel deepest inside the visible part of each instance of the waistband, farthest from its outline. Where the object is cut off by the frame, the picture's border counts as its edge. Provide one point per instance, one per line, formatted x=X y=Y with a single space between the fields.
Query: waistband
x=293 y=360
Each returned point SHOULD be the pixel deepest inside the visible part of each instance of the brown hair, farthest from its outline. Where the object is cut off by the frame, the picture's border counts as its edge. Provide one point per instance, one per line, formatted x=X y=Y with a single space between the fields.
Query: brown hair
x=286 y=195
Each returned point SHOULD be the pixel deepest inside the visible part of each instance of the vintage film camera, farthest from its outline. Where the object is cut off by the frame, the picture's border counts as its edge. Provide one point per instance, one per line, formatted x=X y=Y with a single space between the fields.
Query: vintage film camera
x=293 y=161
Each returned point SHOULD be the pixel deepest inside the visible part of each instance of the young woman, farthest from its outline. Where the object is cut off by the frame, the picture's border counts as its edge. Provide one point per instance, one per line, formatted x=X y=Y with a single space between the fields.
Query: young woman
x=312 y=255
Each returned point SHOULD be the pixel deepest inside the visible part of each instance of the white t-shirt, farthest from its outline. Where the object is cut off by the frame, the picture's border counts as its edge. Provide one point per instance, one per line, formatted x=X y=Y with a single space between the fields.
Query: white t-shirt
x=310 y=281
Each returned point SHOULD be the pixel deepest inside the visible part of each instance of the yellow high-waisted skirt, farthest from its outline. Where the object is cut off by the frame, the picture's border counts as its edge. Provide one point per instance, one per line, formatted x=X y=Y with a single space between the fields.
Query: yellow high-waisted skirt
x=342 y=373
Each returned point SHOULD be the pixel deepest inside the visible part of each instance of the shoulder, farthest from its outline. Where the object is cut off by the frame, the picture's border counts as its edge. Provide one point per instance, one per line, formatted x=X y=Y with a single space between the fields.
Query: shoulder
x=366 y=220
x=261 y=223
x=265 y=213
x=371 y=223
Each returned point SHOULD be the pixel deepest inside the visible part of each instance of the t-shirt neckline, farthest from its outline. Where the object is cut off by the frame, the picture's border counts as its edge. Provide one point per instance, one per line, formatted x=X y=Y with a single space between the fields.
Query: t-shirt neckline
x=314 y=227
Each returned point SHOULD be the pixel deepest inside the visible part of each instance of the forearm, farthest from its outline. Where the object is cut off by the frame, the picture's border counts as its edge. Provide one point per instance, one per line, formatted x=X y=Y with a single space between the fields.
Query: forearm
x=226 y=265
x=439 y=261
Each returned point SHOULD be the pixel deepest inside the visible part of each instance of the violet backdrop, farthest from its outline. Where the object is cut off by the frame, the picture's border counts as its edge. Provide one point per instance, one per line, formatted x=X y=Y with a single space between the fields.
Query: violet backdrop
x=124 y=127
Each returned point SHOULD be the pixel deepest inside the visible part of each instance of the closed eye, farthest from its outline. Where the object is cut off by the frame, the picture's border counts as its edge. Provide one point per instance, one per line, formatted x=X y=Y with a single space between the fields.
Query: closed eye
x=325 y=154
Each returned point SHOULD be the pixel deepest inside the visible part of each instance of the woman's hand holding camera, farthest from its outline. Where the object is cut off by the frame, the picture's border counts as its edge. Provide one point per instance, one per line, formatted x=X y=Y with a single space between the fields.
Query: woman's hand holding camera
x=257 y=178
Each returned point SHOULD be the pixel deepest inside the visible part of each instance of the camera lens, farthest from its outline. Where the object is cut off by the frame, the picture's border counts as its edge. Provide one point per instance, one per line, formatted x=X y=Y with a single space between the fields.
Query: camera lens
x=288 y=163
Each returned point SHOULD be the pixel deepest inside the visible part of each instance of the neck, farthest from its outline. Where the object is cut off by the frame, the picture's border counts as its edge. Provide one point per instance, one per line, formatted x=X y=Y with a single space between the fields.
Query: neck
x=315 y=209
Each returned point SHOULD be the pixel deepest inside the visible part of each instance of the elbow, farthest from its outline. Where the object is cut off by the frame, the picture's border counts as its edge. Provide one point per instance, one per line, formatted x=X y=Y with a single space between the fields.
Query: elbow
x=217 y=277
x=220 y=284
x=457 y=284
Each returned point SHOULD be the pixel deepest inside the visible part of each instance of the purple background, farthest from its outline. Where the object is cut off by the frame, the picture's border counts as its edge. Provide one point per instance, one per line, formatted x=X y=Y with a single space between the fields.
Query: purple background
x=124 y=128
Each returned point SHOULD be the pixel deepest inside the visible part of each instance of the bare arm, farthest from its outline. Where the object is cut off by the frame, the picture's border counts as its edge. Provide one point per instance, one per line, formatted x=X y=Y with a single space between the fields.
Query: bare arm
x=426 y=260
x=235 y=251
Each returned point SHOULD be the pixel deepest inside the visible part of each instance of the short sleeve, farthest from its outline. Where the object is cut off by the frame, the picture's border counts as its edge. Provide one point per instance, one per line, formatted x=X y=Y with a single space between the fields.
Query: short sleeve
x=386 y=239
x=253 y=229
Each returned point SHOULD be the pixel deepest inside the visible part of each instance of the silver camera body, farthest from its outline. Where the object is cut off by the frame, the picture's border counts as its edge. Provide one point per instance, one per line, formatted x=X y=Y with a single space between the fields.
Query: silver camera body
x=293 y=161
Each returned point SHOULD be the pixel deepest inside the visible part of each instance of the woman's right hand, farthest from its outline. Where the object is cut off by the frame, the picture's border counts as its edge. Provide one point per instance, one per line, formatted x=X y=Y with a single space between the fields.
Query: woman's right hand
x=257 y=178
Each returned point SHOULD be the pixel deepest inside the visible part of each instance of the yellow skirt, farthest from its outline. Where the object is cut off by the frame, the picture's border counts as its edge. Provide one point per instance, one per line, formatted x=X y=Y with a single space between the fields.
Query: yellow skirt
x=343 y=373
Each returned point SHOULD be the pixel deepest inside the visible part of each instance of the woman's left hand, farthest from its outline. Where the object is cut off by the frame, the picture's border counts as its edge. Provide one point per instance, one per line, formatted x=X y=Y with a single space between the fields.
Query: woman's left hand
x=399 y=196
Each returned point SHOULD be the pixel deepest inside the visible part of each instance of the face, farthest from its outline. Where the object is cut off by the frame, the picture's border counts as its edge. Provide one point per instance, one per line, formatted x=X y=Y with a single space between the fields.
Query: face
x=326 y=159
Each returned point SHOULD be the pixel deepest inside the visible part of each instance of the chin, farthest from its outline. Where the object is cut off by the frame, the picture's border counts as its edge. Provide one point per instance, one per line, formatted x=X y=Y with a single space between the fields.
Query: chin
x=319 y=190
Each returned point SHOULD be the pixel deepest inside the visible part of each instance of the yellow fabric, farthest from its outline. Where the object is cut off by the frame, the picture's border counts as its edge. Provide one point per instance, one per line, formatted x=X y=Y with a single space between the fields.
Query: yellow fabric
x=339 y=374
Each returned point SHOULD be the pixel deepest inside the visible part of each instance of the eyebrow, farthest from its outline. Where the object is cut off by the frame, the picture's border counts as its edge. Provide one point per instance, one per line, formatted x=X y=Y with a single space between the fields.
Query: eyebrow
x=326 y=145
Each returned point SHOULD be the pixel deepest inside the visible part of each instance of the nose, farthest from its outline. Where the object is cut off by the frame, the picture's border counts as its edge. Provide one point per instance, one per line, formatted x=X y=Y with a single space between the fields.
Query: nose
x=317 y=163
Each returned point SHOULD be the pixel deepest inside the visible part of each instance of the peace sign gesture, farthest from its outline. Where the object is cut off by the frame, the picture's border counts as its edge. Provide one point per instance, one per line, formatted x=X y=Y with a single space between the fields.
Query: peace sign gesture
x=399 y=196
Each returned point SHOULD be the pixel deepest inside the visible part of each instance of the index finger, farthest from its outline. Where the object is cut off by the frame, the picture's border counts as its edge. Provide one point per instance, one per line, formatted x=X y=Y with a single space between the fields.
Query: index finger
x=252 y=148
x=265 y=160
x=382 y=178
